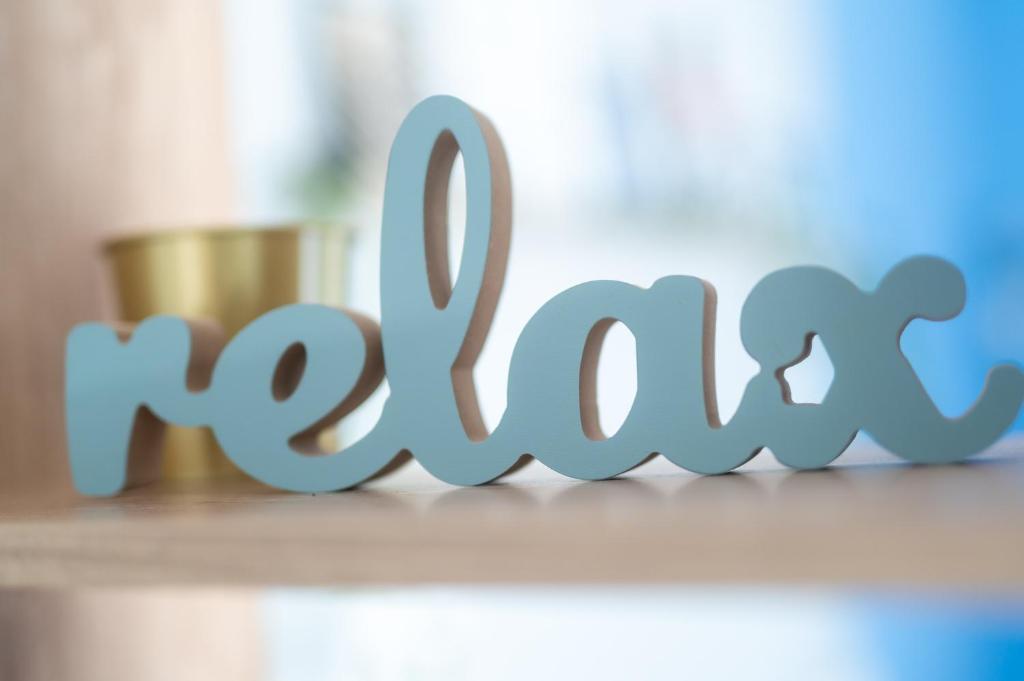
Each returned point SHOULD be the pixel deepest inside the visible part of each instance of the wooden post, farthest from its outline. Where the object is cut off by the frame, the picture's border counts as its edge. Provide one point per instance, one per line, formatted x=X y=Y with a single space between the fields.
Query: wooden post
x=112 y=117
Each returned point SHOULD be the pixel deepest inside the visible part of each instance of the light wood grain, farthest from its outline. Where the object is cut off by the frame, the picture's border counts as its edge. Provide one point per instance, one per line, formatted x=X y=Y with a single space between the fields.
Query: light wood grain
x=113 y=635
x=111 y=118
x=868 y=520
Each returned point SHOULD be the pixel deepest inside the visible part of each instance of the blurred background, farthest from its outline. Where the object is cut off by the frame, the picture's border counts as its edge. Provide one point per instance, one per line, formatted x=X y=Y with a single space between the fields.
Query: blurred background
x=718 y=138
x=665 y=632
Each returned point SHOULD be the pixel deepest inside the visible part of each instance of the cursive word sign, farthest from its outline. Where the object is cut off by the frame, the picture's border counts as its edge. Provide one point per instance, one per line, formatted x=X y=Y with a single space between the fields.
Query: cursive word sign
x=299 y=368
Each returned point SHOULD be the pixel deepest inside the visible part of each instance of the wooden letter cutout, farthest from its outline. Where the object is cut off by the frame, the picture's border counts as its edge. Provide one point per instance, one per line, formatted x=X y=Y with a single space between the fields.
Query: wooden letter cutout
x=300 y=368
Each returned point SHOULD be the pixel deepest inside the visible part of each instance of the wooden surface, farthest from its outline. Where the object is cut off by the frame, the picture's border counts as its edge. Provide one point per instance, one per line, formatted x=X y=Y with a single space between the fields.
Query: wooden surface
x=111 y=119
x=132 y=635
x=866 y=520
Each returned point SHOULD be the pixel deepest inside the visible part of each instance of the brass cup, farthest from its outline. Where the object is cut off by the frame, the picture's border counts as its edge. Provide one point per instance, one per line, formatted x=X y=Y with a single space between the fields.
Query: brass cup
x=231 y=275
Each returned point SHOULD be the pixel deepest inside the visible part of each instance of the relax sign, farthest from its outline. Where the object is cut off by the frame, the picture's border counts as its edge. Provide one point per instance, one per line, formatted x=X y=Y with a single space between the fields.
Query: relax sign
x=292 y=372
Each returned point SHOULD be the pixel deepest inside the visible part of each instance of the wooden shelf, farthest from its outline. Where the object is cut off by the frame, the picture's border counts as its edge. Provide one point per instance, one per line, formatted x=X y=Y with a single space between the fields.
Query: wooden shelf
x=866 y=520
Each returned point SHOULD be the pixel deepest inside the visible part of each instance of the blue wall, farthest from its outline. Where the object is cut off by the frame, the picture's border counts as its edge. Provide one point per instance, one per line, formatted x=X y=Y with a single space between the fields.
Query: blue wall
x=928 y=156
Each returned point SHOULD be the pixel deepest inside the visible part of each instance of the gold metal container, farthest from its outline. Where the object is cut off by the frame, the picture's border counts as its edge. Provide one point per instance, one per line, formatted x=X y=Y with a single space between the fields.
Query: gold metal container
x=231 y=275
